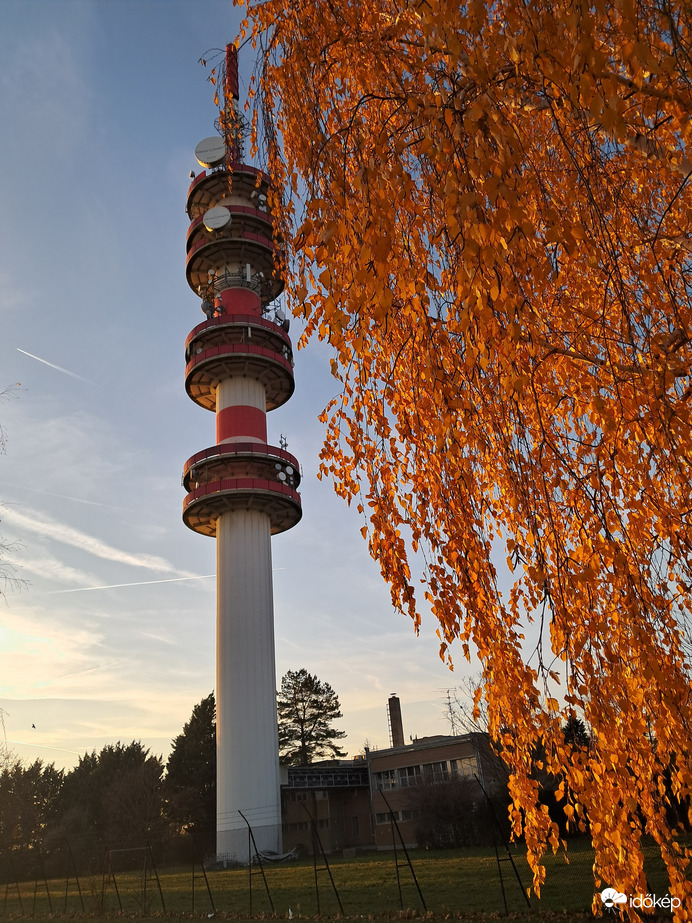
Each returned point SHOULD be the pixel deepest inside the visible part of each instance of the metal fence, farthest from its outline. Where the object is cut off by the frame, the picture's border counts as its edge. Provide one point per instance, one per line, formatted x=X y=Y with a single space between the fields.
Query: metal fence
x=464 y=881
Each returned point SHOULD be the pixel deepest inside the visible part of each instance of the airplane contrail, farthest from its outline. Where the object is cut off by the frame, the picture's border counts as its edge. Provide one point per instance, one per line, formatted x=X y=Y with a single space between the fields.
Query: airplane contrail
x=25 y=743
x=50 y=493
x=58 y=368
x=117 y=586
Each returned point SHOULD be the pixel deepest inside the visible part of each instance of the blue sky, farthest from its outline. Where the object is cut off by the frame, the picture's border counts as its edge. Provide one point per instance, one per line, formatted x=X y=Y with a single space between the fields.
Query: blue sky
x=102 y=103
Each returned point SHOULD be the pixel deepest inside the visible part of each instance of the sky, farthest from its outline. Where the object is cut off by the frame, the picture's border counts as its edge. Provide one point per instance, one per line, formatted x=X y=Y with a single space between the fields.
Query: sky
x=111 y=637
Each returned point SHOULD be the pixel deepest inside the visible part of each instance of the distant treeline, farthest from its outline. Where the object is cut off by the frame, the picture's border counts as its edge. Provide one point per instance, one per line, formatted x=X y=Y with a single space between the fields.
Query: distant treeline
x=122 y=797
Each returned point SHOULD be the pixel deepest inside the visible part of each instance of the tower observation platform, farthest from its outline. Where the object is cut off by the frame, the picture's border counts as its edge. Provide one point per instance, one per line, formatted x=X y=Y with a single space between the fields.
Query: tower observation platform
x=241 y=490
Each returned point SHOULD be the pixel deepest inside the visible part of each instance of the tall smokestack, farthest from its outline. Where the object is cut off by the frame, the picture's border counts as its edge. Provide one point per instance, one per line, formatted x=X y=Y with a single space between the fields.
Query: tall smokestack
x=396 y=725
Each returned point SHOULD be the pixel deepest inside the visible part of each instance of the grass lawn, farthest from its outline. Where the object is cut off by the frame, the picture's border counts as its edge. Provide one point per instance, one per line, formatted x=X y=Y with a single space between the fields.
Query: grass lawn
x=453 y=883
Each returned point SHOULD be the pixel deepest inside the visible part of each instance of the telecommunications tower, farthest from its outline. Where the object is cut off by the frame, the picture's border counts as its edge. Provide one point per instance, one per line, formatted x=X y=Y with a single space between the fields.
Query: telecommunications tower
x=241 y=490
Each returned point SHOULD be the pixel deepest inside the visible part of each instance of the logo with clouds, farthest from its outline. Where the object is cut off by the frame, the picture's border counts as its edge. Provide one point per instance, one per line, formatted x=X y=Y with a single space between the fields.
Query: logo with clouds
x=613 y=898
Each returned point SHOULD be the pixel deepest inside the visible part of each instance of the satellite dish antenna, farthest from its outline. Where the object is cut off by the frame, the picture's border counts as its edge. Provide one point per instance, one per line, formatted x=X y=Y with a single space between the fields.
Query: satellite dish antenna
x=279 y=315
x=211 y=151
x=216 y=218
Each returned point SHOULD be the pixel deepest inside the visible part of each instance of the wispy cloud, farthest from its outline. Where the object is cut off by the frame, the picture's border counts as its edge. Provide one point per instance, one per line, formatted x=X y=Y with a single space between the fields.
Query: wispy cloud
x=38 y=648
x=49 y=528
x=51 y=493
x=52 y=365
x=51 y=568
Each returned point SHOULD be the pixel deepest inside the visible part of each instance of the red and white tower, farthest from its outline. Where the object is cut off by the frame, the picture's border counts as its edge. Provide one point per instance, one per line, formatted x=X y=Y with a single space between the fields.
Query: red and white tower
x=241 y=490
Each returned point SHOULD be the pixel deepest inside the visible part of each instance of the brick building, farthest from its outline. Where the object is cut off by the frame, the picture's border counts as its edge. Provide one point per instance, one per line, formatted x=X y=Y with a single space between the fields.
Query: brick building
x=398 y=776
x=335 y=794
x=350 y=800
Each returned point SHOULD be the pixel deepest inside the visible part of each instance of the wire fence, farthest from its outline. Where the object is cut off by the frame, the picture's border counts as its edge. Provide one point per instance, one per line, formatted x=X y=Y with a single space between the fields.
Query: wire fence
x=128 y=882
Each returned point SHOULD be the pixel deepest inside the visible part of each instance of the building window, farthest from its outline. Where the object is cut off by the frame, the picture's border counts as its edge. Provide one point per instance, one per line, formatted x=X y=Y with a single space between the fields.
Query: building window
x=385 y=780
x=399 y=816
x=464 y=768
x=409 y=775
x=436 y=772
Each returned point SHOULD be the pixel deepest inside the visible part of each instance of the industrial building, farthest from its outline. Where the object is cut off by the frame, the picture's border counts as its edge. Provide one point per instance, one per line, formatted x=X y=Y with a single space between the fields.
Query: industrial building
x=351 y=802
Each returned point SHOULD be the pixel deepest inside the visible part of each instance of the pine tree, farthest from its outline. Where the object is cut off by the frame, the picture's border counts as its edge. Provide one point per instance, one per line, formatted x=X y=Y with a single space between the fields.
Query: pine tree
x=190 y=783
x=306 y=707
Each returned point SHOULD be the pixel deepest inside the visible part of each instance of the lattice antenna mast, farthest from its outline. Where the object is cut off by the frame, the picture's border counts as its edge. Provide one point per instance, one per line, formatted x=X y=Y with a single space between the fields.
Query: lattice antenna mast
x=231 y=121
x=451 y=711
x=4 y=759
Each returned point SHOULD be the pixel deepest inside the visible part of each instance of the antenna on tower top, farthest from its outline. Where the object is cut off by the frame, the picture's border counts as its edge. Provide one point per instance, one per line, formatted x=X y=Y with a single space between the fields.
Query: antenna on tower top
x=5 y=755
x=232 y=122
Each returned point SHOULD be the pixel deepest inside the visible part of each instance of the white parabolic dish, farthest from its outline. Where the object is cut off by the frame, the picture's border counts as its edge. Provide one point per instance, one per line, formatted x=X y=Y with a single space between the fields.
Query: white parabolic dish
x=211 y=151
x=216 y=218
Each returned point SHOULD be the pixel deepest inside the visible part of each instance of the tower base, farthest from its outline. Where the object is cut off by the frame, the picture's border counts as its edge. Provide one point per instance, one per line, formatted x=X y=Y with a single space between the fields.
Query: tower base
x=236 y=846
x=247 y=745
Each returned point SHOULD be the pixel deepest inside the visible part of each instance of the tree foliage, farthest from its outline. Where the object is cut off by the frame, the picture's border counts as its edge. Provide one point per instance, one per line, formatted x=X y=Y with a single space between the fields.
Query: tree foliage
x=190 y=782
x=465 y=711
x=28 y=803
x=487 y=216
x=575 y=732
x=454 y=815
x=113 y=798
x=306 y=708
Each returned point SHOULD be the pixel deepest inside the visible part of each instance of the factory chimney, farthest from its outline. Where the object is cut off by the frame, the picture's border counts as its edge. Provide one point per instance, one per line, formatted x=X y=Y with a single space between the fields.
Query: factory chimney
x=396 y=727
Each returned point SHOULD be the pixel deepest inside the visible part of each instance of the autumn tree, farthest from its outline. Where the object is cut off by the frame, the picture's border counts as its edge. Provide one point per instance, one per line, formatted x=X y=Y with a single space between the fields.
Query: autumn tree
x=485 y=211
x=306 y=708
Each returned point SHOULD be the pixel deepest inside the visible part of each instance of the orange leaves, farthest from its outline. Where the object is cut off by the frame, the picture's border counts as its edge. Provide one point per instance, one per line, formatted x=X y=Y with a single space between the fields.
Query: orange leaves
x=492 y=239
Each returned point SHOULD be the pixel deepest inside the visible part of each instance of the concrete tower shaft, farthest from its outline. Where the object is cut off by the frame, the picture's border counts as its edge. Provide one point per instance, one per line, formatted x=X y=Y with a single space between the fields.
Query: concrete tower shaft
x=241 y=490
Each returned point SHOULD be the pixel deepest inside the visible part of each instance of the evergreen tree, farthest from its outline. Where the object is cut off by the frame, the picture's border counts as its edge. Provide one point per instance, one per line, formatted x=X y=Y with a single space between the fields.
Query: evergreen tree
x=306 y=708
x=28 y=802
x=576 y=733
x=113 y=799
x=190 y=783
